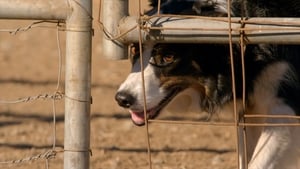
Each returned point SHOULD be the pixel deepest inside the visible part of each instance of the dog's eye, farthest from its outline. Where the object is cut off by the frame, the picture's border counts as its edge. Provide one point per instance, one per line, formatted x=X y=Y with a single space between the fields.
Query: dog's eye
x=162 y=61
x=168 y=58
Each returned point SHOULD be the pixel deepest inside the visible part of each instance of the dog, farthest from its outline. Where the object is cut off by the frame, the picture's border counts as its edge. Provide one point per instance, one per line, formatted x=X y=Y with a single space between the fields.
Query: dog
x=204 y=70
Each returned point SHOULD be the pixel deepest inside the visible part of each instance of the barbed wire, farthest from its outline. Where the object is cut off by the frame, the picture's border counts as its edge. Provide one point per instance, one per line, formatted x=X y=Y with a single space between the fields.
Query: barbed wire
x=50 y=154
x=36 y=24
x=55 y=96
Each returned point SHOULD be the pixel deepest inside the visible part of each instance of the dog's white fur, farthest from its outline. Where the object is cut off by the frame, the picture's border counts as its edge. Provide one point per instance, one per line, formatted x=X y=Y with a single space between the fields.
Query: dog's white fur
x=272 y=147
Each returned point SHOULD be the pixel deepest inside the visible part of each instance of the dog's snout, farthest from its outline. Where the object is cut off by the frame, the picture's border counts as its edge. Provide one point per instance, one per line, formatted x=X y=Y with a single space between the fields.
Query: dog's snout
x=124 y=99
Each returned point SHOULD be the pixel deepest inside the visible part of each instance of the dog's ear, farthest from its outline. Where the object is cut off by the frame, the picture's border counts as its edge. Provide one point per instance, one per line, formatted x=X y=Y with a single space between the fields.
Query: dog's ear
x=134 y=51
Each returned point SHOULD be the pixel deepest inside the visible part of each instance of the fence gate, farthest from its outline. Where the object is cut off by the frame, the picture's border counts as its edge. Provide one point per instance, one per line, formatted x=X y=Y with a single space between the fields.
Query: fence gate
x=78 y=17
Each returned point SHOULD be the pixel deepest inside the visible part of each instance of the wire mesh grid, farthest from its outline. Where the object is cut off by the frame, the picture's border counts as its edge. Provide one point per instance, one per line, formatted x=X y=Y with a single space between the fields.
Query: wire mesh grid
x=241 y=121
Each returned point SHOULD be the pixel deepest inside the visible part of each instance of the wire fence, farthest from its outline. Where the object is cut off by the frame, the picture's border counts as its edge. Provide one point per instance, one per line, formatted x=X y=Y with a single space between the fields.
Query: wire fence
x=54 y=96
x=77 y=16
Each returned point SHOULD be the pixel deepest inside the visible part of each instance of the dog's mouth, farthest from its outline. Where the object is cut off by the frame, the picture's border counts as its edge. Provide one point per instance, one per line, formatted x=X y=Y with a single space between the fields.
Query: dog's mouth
x=138 y=116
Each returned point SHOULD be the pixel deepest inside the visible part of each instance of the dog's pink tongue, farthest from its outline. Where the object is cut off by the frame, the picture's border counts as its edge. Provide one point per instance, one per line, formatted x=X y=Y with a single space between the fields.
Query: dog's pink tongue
x=137 y=117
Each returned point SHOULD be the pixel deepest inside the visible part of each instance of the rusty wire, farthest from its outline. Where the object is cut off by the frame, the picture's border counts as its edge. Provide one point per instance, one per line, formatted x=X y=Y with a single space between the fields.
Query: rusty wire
x=56 y=96
x=236 y=115
x=46 y=155
x=144 y=87
x=36 y=24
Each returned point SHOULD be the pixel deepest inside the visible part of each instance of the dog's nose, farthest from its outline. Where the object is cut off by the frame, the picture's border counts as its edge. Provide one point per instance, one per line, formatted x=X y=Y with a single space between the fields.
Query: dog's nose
x=124 y=99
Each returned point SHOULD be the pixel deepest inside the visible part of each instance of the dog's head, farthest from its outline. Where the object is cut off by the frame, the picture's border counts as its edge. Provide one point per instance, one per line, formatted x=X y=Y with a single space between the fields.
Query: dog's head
x=170 y=69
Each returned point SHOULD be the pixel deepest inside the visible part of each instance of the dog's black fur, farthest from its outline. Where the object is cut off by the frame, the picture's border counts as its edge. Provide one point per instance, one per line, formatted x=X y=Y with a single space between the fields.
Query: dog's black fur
x=247 y=8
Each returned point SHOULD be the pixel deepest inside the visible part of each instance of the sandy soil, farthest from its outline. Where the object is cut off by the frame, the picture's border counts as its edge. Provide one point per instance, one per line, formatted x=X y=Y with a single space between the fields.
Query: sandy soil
x=29 y=67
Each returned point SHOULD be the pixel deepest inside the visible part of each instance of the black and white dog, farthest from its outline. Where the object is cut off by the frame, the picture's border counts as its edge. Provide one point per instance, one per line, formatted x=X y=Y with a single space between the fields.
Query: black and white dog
x=272 y=79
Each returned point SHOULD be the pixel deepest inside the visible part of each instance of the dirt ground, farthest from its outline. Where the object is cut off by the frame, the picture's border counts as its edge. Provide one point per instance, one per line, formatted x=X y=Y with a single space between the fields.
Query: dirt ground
x=29 y=67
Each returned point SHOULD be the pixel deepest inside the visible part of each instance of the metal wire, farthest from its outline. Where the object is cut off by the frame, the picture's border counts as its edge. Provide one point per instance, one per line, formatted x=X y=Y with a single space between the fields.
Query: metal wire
x=56 y=96
x=35 y=24
x=50 y=154
x=144 y=88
